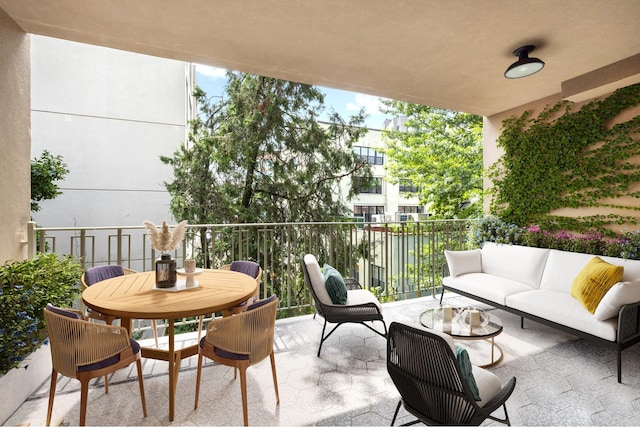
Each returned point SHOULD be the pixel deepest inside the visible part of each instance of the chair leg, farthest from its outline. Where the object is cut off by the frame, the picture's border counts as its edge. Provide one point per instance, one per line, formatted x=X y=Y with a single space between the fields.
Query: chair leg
x=84 y=395
x=395 y=414
x=198 y=374
x=106 y=384
x=155 y=331
x=200 y=328
x=275 y=376
x=52 y=394
x=141 y=383
x=243 y=387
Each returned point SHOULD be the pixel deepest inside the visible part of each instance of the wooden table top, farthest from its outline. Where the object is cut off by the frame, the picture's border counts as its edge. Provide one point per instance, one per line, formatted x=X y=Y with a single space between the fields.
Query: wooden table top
x=134 y=296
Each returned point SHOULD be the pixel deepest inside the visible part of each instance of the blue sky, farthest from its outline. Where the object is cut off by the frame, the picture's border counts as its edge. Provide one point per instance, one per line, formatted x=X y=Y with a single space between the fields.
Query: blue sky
x=212 y=81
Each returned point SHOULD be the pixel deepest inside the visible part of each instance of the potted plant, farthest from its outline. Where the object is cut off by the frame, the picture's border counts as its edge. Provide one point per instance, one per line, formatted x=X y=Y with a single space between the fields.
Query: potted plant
x=25 y=289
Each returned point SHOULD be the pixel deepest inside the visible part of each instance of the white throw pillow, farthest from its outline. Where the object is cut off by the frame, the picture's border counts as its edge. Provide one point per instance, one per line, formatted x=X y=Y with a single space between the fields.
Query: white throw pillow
x=620 y=294
x=463 y=262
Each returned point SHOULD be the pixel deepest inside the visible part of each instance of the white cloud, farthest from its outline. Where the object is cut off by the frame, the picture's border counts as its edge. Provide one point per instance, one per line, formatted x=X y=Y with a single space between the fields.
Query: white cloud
x=212 y=72
x=370 y=103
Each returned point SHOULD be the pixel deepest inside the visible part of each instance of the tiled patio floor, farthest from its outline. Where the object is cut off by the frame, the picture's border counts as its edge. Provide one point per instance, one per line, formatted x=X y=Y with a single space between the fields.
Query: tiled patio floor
x=561 y=380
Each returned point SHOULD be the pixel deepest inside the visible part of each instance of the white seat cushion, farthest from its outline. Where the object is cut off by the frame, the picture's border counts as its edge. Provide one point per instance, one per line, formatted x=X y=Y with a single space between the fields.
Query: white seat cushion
x=362 y=296
x=564 y=309
x=493 y=288
x=488 y=384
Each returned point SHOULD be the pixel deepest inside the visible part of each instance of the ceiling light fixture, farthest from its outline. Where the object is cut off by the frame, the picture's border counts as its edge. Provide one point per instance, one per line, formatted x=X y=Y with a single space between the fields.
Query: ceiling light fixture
x=524 y=66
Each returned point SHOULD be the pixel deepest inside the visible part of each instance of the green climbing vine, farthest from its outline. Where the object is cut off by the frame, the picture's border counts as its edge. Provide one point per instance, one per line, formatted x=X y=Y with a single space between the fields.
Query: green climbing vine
x=569 y=159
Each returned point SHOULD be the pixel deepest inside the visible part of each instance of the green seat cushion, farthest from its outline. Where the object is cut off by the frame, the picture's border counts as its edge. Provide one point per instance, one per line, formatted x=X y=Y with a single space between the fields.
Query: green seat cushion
x=467 y=371
x=336 y=288
x=593 y=282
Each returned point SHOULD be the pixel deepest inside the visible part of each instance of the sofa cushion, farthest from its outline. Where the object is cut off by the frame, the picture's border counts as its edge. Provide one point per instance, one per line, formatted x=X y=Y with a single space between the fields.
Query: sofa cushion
x=593 y=282
x=334 y=283
x=362 y=296
x=316 y=278
x=463 y=262
x=618 y=295
x=520 y=263
x=562 y=308
x=493 y=288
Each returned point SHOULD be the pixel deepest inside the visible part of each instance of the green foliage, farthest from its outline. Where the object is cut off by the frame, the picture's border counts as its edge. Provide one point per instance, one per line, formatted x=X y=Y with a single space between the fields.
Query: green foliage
x=493 y=229
x=441 y=153
x=567 y=159
x=25 y=289
x=260 y=155
x=45 y=170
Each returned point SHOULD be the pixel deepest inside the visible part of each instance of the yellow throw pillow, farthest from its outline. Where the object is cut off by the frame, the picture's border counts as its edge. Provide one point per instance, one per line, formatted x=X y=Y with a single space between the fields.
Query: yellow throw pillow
x=593 y=282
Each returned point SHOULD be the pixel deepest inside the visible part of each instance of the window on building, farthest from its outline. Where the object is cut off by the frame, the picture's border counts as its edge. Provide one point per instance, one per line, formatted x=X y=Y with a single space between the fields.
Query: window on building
x=406 y=186
x=366 y=211
x=375 y=188
x=369 y=155
x=411 y=209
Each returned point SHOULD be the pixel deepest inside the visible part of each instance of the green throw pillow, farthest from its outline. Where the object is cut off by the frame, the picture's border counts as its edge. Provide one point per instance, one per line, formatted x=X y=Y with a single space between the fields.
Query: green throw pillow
x=467 y=371
x=335 y=285
x=594 y=281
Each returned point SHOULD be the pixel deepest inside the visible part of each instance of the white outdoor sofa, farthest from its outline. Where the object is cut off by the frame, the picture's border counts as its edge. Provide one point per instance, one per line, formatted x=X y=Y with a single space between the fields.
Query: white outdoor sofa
x=536 y=283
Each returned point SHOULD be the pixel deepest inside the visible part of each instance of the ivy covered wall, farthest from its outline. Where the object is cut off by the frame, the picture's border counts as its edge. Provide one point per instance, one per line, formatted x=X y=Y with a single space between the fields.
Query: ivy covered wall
x=570 y=167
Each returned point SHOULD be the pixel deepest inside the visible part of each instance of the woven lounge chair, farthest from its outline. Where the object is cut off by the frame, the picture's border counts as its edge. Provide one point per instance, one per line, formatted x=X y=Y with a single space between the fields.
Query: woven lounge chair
x=240 y=341
x=97 y=274
x=362 y=306
x=84 y=350
x=426 y=372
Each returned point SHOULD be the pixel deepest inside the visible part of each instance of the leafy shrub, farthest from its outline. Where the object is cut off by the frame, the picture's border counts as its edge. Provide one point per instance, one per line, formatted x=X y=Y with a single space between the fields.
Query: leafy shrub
x=25 y=289
x=493 y=229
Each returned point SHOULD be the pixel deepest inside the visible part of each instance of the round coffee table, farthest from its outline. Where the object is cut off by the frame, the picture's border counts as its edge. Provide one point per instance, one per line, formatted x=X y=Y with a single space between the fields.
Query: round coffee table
x=460 y=328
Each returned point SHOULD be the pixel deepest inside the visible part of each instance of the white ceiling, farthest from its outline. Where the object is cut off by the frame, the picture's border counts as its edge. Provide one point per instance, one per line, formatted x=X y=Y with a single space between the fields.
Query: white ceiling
x=442 y=53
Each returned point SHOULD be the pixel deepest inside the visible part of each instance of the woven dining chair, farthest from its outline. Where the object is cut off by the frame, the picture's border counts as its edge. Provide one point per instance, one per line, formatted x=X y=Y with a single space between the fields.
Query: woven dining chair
x=426 y=372
x=241 y=341
x=249 y=268
x=84 y=350
x=99 y=273
x=361 y=306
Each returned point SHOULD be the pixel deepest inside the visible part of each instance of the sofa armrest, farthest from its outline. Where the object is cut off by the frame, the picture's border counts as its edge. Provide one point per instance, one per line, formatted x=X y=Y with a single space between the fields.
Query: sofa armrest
x=629 y=322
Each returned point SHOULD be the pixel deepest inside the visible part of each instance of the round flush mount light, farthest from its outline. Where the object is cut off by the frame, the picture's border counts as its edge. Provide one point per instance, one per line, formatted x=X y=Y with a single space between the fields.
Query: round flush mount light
x=524 y=66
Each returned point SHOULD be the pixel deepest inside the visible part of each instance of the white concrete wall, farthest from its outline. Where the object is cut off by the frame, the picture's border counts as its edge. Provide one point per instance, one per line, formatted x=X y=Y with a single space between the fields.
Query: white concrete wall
x=110 y=114
x=15 y=183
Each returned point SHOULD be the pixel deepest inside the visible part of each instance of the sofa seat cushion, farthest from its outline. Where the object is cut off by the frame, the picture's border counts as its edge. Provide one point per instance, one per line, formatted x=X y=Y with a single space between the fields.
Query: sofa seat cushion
x=490 y=287
x=362 y=296
x=562 y=308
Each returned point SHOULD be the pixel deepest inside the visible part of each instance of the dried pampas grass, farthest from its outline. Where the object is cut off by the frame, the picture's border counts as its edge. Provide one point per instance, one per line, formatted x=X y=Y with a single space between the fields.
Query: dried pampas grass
x=163 y=239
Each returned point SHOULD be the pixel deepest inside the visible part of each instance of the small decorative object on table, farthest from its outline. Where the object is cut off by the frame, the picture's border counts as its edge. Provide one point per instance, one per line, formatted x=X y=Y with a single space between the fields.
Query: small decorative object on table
x=164 y=240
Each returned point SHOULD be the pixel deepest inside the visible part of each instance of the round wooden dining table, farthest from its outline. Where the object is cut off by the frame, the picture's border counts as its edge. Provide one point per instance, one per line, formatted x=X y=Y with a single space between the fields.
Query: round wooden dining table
x=134 y=296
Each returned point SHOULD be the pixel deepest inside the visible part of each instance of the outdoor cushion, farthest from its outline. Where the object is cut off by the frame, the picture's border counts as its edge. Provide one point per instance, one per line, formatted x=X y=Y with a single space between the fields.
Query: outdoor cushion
x=334 y=283
x=493 y=288
x=362 y=296
x=317 y=279
x=109 y=361
x=224 y=353
x=103 y=272
x=467 y=370
x=488 y=384
x=62 y=311
x=463 y=262
x=593 y=282
x=620 y=294
x=520 y=263
x=260 y=303
x=249 y=268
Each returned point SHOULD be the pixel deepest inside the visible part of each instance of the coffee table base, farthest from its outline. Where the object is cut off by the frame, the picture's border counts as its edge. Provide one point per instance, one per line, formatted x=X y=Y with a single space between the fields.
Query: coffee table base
x=496 y=350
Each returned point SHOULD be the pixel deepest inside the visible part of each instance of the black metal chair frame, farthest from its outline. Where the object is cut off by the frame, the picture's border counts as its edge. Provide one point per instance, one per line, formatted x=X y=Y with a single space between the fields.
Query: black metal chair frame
x=341 y=314
x=426 y=372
